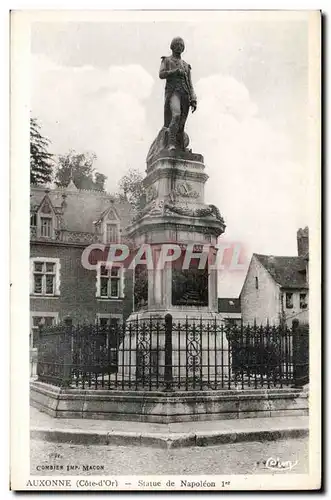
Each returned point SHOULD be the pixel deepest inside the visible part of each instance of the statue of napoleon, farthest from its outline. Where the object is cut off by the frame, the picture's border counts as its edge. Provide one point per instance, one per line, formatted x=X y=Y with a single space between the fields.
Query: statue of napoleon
x=179 y=97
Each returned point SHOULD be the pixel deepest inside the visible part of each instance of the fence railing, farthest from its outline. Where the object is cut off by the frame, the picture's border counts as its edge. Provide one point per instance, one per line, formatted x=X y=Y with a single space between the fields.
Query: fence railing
x=173 y=355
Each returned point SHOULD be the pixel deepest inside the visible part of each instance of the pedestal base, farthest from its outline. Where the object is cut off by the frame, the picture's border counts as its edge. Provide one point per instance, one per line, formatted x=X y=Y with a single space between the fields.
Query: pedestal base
x=168 y=407
x=189 y=352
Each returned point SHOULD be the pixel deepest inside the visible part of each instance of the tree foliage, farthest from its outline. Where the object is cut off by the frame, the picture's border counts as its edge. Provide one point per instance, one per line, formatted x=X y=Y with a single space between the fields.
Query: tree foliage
x=78 y=167
x=131 y=188
x=41 y=161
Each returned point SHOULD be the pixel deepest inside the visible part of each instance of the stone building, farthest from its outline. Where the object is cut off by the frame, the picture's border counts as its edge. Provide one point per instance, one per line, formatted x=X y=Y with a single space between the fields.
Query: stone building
x=276 y=288
x=64 y=222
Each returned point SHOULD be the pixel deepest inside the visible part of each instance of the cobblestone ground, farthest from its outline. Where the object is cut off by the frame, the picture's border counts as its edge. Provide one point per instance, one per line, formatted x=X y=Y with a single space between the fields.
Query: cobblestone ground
x=237 y=458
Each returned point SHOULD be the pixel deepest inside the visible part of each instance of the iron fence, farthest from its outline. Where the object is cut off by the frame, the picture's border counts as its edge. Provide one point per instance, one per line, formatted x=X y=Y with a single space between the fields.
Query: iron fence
x=168 y=355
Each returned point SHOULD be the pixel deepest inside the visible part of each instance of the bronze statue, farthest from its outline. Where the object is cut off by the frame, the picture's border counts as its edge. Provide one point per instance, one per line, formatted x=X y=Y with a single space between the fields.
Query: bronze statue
x=179 y=94
x=179 y=97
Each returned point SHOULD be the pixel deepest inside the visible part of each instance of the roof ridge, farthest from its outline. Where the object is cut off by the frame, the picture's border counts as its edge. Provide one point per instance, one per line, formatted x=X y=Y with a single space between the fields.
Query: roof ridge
x=60 y=189
x=104 y=194
x=278 y=256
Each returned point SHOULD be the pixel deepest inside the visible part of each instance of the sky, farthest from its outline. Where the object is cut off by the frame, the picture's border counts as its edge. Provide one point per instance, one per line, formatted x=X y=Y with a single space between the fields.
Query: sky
x=95 y=87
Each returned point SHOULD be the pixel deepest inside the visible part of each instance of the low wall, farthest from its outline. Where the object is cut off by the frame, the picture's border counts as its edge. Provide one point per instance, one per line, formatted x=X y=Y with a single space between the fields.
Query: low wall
x=164 y=407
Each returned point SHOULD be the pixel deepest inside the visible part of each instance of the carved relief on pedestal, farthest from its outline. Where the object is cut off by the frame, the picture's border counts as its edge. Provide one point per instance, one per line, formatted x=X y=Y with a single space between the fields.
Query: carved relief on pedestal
x=183 y=190
x=190 y=287
x=204 y=211
x=157 y=207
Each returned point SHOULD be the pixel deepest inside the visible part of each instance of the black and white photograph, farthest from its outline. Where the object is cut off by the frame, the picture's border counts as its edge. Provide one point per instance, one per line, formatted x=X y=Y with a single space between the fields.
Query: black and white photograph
x=166 y=304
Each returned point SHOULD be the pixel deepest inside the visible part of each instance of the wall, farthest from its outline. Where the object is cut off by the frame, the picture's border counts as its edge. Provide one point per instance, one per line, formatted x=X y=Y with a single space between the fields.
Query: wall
x=262 y=303
x=78 y=287
x=296 y=312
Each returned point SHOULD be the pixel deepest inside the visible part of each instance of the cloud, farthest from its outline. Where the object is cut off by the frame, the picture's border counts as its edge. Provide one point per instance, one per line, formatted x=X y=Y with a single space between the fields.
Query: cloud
x=100 y=110
x=230 y=96
x=260 y=190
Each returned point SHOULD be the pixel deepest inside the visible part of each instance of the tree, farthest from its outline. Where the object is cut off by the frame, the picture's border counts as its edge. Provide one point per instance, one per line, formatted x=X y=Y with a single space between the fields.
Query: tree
x=99 y=181
x=41 y=161
x=78 y=167
x=132 y=188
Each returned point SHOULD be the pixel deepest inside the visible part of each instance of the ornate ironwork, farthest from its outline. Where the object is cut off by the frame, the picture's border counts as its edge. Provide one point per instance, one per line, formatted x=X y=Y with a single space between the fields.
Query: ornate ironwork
x=193 y=347
x=162 y=354
x=143 y=350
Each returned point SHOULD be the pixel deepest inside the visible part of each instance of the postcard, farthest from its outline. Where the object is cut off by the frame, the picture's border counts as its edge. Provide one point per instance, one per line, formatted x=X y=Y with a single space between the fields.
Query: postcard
x=166 y=309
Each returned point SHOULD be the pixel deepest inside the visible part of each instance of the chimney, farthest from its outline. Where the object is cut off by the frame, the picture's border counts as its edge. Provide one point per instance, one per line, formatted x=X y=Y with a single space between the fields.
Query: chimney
x=303 y=242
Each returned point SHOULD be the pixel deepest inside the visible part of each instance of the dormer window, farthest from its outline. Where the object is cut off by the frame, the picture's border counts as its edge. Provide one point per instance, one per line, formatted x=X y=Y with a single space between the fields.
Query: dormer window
x=111 y=226
x=43 y=221
x=111 y=232
x=46 y=227
x=108 y=225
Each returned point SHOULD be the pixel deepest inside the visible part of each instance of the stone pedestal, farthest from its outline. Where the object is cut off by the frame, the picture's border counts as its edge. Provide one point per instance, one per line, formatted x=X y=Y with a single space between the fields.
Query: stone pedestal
x=213 y=357
x=176 y=213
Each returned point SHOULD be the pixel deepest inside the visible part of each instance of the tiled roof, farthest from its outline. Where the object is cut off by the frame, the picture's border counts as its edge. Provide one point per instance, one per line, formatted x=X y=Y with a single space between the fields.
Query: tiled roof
x=288 y=272
x=229 y=305
x=82 y=207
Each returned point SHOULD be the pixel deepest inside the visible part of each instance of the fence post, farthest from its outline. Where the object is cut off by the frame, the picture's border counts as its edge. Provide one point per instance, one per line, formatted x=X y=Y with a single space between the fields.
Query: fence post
x=67 y=353
x=300 y=340
x=168 y=353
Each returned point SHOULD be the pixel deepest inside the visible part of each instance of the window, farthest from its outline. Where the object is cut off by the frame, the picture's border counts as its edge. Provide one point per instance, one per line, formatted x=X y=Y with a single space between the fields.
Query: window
x=289 y=300
x=39 y=319
x=46 y=227
x=110 y=282
x=45 y=276
x=256 y=282
x=109 y=322
x=111 y=233
x=303 y=301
